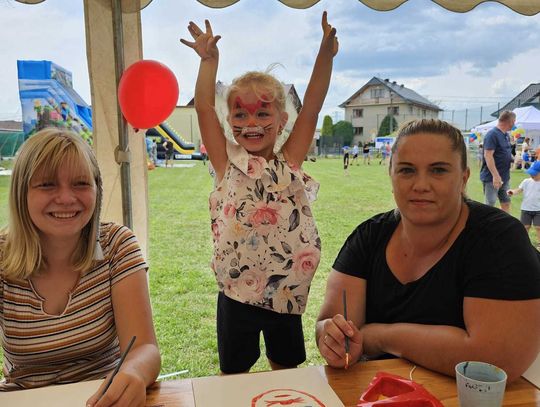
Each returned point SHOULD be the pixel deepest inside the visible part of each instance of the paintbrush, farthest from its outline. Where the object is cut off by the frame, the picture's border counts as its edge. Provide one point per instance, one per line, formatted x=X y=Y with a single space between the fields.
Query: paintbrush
x=346 y=337
x=122 y=358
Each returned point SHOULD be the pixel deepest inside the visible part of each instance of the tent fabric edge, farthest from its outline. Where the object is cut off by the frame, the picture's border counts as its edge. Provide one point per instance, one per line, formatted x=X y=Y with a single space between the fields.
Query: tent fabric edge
x=524 y=7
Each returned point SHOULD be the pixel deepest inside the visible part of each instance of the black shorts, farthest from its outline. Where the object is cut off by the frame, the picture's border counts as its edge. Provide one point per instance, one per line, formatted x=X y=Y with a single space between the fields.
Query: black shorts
x=345 y=161
x=529 y=218
x=238 y=331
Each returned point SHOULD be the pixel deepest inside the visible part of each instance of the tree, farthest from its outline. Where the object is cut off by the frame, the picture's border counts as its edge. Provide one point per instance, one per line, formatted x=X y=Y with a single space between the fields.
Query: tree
x=327 y=126
x=343 y=132
x=384 y=130
x=327 y=131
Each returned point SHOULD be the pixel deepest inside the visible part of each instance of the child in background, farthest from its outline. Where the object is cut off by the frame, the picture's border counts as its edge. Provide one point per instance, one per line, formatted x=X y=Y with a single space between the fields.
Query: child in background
x=480 y=155
x=346 y=150
x=355 y=151
x=530 y=206
x=266 y=244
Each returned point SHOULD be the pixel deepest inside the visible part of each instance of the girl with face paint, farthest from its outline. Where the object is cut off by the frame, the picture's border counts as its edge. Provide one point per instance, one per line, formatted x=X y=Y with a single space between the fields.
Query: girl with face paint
x=266 y=244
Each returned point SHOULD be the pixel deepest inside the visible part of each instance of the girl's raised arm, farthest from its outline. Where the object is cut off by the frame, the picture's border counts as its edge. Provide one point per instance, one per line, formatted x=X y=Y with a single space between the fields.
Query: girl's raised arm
x=205 y=45
x=297 y=146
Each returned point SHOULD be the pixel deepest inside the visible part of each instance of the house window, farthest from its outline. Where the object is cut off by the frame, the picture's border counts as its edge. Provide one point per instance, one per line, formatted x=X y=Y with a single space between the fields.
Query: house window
x=410 y=109
x=358 y=131
x=393 y=110
x=423 y=112
x=376 y=93
x=358 y=112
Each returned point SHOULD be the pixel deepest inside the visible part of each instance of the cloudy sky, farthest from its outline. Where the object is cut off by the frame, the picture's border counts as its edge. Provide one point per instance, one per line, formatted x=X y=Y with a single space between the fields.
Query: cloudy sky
x=458 y=61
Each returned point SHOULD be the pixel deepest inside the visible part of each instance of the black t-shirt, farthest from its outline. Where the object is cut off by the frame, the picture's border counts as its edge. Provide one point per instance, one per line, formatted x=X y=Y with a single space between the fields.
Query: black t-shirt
x=491 y=258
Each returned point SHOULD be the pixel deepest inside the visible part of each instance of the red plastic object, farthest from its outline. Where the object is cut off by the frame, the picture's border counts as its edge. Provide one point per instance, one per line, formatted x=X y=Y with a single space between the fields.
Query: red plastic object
x=398 y=392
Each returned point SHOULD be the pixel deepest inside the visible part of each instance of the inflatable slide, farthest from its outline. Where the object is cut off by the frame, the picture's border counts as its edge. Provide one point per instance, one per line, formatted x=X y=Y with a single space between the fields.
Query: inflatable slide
x=48 y=99
x=183 y=149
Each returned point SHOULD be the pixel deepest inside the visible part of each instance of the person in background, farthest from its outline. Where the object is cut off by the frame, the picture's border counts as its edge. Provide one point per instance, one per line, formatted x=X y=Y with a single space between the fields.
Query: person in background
x=73 y=290
x=525 y=147
x=366 y=152
x=346 y=159
x=169 y=153
x=385 y=153
x=148 y=141
x=526 y=159
x=355 y=151
x=495 y=171
x=441 y=279
x=154 y=152
x=266 y=244
x=530 y=206
x=480 y=155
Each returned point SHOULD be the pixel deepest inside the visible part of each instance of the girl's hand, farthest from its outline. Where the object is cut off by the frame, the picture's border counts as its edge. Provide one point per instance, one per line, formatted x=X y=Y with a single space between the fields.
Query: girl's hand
x=329 y=41
x=126 y=389
x=205 y=44
x=332 y=341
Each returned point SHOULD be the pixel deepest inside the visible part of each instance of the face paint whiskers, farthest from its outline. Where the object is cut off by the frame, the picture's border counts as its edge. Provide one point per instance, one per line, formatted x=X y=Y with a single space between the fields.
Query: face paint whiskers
x=254 y=131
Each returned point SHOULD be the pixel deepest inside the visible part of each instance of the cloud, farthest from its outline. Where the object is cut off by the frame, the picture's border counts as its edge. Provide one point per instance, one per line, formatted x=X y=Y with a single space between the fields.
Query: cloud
x=490 y=51
x=37 y=32
x=413 y=41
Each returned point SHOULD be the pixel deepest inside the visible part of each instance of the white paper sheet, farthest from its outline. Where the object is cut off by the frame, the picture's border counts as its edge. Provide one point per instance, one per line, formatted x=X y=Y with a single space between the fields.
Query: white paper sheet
x=67 y=395
x=303 y=387
x=533 y=372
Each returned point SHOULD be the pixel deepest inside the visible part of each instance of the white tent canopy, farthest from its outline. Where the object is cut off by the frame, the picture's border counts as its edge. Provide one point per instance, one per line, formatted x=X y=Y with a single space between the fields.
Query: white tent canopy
x=527 y=118
x=525 y=7
x=114 y=41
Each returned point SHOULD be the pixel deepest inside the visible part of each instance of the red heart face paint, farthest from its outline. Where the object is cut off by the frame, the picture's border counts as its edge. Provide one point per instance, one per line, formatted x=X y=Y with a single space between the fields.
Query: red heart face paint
x=251 y=107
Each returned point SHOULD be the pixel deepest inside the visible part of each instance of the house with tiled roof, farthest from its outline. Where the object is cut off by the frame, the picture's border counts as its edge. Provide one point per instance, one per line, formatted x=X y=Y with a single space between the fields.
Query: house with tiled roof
x=530 y=96
x=368 y=106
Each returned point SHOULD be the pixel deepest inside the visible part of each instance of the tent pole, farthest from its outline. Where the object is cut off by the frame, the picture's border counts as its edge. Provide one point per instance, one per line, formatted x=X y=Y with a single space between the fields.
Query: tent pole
x=122 y=154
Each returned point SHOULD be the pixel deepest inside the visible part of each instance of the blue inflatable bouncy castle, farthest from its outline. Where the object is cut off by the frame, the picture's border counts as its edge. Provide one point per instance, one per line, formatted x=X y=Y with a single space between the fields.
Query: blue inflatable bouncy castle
x=48 y=99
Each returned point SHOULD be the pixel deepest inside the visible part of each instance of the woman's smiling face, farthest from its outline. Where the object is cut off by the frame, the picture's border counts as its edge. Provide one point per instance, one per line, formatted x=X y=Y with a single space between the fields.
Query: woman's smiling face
x=60 y=206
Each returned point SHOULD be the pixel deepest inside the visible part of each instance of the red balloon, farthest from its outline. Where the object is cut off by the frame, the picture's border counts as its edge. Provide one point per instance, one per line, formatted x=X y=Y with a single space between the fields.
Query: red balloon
x=147 y=93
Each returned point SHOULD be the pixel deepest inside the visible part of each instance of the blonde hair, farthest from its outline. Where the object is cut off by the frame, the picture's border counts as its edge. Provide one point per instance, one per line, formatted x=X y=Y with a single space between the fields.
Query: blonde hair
x=264 y=85
x=44 y=153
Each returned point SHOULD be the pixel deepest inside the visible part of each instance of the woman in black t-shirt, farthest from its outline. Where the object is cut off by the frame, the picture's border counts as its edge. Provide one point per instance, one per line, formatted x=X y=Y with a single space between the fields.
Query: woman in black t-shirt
x=440 y=280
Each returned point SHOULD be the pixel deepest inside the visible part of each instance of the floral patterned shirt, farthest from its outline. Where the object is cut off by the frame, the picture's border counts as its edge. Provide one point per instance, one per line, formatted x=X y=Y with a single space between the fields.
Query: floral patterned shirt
x=266 y=244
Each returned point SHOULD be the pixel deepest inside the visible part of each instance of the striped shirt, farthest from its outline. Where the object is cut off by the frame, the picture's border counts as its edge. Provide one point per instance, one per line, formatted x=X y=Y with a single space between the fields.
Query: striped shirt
x=81 y=343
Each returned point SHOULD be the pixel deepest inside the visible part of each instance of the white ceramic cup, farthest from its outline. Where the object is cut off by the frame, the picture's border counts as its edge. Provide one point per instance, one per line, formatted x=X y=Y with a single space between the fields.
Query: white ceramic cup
x=480 y=384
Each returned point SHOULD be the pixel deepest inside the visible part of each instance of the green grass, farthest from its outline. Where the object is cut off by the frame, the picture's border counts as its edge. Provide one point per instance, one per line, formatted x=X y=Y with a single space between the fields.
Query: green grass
x=183 y=289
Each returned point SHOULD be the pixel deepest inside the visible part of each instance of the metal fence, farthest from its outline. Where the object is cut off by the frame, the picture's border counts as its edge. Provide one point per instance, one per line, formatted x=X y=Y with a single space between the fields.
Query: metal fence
x=466 y=119
x=10 y=143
